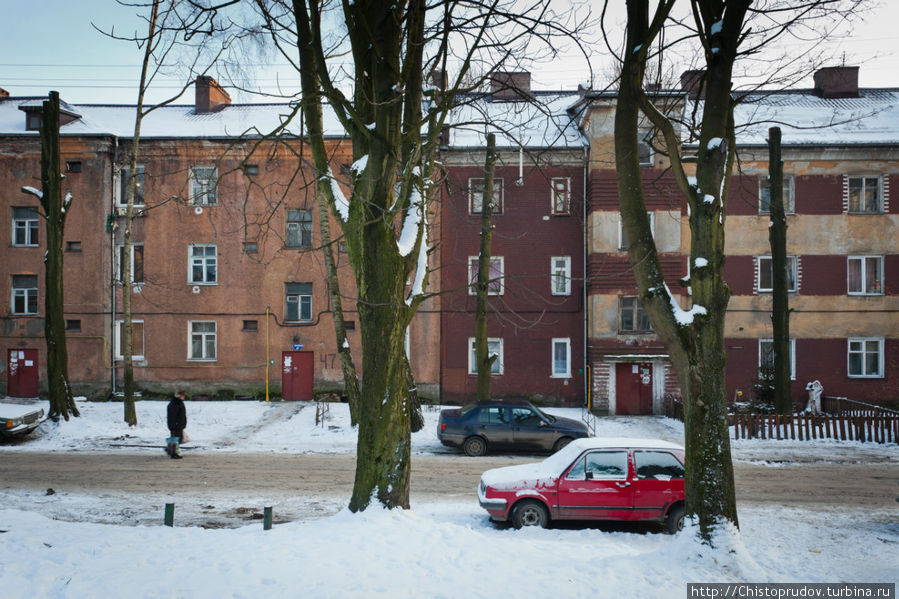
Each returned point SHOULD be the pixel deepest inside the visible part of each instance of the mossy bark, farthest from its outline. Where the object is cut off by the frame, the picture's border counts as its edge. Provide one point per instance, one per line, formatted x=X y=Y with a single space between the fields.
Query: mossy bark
x=780 y=295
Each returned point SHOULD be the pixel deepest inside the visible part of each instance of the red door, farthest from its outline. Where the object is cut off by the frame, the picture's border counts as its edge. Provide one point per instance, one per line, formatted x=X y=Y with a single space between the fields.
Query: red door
x=297 y=375
x=633 y=388
x=21 y=377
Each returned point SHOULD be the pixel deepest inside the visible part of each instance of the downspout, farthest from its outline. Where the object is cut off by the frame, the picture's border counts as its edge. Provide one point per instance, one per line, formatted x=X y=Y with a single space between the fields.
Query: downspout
x=112 y=264
x=588 y=371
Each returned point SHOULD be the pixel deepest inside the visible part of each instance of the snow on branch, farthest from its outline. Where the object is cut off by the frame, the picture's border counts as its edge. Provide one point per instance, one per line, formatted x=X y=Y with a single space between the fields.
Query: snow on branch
x=35 y=192
x=340 y=202
x=683 y=317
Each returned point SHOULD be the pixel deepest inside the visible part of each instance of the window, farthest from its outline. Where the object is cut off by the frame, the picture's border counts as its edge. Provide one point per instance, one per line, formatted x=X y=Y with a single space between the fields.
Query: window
x=865 y=195
x=657 y=464
x=866 y=357
x=495 y=283
x=766 y=357
x=250 y=247
x=33 y=121
x=137 y=263
x=73 y=325
x=631 y=317
x=125 y=181
x=251 y=325
x=525 y=417
x=644 y=148
x=73 y=166
x=24 y=227
x=561 y=358
x=476 y=195
x=299 y=229
x=561 y=275
x=493 y=415
x=298 y=300
x=600 y=465
x=865 y=275
x=622 y=236
x=765 y=196
x=251 y=169
x=561 y=195
x=765 y=282
x=203 y=263
x=202 y=185
x=137 y=339
x=494 y=347
x=202 y=340
x=24 y=294
x=73 y=246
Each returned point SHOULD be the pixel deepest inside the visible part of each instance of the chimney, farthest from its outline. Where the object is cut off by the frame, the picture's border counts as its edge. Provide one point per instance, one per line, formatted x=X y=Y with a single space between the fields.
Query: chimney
x=210 y=97
x=510 y=85
x=836 y=82
x=693 y=83
x=3 y=93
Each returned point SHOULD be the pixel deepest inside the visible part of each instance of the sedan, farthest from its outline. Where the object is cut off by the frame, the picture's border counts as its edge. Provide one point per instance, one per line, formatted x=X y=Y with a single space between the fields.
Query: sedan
x=506 y=425
x=19 y=418
x=591 y=479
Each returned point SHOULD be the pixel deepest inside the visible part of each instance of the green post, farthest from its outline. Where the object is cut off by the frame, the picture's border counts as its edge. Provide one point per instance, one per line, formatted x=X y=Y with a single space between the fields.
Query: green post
x=267 y=519
x=170 y=514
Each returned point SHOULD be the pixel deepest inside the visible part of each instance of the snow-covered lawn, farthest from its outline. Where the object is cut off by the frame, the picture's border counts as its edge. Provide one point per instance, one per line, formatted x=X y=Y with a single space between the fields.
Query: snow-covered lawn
x=436 y=549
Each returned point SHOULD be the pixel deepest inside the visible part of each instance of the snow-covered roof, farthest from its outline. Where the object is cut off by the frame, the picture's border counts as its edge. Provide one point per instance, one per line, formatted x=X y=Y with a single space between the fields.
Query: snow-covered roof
x=543 y=123
x=807 y=119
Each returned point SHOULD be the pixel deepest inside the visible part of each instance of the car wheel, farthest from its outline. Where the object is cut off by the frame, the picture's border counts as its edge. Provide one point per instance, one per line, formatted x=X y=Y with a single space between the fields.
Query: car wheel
x=474 y=446
x=530 y=512
x=561 y=443
x=674 y=522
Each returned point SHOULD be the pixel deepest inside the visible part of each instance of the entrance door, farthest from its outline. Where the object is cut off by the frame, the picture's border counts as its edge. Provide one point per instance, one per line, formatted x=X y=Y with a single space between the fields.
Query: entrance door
x=633 y=388
x=21 y=369
x=297 y=375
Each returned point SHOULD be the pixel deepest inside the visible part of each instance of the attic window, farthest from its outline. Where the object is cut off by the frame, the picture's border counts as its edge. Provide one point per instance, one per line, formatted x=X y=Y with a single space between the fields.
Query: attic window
x=73 y=166
x=32 y=121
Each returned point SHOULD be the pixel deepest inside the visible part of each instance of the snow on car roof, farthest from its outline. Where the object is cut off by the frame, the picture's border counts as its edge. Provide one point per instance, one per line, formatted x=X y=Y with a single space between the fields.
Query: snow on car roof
x=526 y=475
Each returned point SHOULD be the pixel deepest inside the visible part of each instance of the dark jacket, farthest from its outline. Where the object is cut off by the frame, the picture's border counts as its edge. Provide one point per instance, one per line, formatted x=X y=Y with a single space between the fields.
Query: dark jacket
x=177 y=414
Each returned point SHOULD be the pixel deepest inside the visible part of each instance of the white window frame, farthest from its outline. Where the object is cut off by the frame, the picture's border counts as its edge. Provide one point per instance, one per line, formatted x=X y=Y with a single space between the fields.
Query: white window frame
x=203 y=190
x=622 y=242
x=139 y=187
x=792 y=264
x=119 y=250
x=497 y=364
x=792 y=356
x=560 y=186
x=301 y=298
x=494 y=286
x=25 y=293
x=299 y=221
x=863 y=278
x=880 y=202
x=560 y=273
x=645 y=139
x=119 y=356
x=789 y=190
x=864 y=353
x=29 y=225
x=557 y=374
x=204 y=262
x=476 y=193
x=204 y=338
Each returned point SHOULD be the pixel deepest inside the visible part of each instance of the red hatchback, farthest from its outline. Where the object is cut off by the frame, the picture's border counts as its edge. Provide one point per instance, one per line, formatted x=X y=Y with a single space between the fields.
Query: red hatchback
x=591 y=479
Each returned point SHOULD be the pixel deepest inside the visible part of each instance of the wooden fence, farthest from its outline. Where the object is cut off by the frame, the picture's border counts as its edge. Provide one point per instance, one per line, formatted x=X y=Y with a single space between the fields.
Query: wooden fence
x=875 y=427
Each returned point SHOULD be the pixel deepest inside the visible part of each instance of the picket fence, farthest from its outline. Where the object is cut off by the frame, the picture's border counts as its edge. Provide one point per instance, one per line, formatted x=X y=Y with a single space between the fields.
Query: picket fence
x=872 y=426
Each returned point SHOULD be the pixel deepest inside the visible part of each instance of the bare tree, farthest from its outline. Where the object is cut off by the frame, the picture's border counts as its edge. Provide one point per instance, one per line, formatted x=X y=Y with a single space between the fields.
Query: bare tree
x=483 y=360
x=55 y=208
x=780 y=302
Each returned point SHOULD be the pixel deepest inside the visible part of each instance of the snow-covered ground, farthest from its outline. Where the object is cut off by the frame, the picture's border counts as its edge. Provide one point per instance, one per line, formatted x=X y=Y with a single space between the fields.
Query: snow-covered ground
x=436 y=549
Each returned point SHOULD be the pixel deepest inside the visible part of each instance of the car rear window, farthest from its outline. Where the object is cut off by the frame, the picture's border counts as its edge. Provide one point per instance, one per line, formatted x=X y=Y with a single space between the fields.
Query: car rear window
x=657 y=464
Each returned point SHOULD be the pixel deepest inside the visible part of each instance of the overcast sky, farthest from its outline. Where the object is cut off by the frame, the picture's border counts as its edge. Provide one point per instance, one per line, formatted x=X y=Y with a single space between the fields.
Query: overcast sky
x=51 y=45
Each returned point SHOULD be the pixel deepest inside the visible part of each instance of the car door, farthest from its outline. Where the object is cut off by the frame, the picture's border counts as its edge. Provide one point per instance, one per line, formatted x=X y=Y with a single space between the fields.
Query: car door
x=493 y=424
x=529 y=430
x=658 y=482
x=597 y=487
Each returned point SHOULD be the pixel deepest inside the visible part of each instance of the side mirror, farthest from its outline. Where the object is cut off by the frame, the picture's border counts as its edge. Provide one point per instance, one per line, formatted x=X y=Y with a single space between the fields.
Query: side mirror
x=589 y=475
x=543 y=423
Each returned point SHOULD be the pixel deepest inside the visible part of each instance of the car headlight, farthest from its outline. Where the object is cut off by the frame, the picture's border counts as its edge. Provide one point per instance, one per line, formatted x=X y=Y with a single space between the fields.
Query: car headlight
x=482 y=487
x=14 y=422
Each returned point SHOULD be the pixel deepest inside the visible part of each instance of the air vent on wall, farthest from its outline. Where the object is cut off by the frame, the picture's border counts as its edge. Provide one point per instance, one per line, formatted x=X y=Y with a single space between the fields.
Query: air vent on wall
x=196 y=289
x=198 y=210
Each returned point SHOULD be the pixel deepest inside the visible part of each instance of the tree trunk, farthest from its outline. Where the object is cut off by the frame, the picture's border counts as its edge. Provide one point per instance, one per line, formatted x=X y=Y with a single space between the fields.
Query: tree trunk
x=483 y=360
x=61 y=401
x=780 y=309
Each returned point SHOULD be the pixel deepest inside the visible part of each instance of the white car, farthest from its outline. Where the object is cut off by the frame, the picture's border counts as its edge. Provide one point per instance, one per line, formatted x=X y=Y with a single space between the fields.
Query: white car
x=19 y=418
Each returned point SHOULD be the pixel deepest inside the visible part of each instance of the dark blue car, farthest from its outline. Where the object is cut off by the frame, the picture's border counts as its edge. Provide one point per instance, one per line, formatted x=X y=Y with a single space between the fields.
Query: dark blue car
x=499 y=425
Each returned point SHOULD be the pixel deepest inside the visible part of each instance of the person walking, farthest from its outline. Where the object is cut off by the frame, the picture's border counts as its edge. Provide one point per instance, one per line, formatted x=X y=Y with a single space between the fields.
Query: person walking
x=177 y=419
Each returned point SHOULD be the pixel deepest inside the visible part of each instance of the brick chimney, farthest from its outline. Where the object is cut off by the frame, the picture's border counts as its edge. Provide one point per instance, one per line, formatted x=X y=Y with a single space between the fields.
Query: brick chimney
x=210 y=97
x=510 y=85
x=836 y=82
x=692 y=82
x=3 y=93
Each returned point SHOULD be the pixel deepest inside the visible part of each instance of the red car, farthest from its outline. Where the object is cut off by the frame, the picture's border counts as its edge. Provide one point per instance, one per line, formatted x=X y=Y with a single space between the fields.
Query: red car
x=591 y=479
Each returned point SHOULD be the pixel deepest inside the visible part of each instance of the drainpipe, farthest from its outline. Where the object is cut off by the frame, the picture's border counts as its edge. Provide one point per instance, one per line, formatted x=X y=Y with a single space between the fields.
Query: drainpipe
x=587 y=370
x=112 y=253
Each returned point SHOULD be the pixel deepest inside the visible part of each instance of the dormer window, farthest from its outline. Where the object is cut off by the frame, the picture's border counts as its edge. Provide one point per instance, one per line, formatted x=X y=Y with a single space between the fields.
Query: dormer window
x=32 y=121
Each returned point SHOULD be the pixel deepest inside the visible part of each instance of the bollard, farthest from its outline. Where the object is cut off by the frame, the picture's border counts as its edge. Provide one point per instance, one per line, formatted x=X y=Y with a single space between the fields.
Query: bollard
x=170 y=514
x=267 y=519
